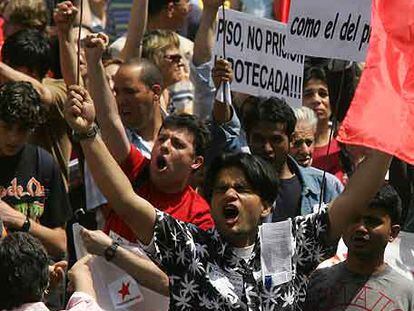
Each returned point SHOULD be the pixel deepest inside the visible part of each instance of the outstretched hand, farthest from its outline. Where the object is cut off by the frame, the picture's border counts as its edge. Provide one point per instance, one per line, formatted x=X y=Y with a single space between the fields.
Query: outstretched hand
x=94 y=45
x=64 y=16
x=79 y=109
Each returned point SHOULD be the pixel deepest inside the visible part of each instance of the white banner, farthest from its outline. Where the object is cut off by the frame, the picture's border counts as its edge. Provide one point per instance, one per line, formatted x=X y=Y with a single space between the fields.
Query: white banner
x=330 y=28
x=115 y=289
x=262 y=67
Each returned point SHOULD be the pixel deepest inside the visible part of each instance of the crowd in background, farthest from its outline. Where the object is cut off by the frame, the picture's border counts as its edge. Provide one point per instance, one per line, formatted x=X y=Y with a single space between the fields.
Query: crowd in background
x=123 y=133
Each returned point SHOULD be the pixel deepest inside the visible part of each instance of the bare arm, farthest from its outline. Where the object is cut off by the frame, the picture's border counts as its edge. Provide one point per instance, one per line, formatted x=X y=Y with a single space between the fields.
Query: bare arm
x=9 y=74
x=54 y=239
x=64 y=17
x=87 y=13
x=136 y=29
x=205 y=37
x=113 y=131
x=138 y=214
x=141 y=269
x=360 y=189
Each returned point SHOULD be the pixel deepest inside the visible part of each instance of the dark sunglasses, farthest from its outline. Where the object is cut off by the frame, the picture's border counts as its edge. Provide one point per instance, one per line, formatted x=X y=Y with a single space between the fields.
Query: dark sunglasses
x=173 y=58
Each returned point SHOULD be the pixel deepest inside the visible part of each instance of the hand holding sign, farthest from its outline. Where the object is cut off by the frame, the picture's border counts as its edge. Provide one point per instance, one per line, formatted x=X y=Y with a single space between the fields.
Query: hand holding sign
x=222 y=72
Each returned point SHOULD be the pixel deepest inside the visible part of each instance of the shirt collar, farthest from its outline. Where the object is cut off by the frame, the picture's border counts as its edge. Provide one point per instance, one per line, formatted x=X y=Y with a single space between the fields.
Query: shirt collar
x=306 y=181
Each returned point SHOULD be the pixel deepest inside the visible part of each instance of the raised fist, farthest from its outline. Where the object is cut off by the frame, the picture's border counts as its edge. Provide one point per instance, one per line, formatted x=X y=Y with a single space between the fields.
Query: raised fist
x=95 y=45
x=79 y=109
x=64 y=16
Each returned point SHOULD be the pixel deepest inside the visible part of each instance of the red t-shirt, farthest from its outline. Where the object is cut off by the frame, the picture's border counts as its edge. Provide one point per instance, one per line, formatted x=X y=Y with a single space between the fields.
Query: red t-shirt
x=186 y=205
x=330 y=163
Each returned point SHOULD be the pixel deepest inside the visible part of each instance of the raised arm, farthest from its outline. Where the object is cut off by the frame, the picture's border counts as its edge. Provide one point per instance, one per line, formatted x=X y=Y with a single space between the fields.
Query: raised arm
x=64 y=17
x=136 y=29
x=115 y=186
x=142 y=269
x=359 y=191
x=9 y=74
x=205 y=37
x=113 y=131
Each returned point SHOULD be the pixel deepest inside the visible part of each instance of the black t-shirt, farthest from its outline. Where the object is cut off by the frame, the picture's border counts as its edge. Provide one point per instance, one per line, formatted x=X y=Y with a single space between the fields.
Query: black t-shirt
x=288 y=200
x=31 y=182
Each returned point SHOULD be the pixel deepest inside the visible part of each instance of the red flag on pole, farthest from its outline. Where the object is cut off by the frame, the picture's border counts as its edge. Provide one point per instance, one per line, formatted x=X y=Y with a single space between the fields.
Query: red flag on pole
x=381 y=115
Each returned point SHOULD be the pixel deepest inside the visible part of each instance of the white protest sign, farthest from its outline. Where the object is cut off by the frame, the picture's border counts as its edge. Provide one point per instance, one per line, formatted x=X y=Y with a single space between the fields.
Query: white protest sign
x=338 y=29
x=255 y=48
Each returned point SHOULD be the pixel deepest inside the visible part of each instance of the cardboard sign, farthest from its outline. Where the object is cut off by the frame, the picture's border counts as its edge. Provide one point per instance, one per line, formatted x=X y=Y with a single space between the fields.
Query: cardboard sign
x=338 y=29
x=261 y=66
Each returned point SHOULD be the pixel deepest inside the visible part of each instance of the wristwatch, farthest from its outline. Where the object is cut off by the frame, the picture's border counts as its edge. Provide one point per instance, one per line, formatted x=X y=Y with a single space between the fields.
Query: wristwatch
x=26 y=225
x=110 y=251
x=91 y=133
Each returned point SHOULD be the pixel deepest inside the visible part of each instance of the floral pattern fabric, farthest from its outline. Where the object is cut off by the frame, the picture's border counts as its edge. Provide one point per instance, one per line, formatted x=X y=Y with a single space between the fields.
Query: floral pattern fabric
x=205 y=274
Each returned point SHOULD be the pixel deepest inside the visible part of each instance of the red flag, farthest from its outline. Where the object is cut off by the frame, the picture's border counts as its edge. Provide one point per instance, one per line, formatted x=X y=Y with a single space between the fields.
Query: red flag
x=281 y=10
x=381 y=115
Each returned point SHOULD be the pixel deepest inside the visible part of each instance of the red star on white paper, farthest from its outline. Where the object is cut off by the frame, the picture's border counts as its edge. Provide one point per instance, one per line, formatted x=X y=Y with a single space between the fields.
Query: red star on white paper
x=124 y=291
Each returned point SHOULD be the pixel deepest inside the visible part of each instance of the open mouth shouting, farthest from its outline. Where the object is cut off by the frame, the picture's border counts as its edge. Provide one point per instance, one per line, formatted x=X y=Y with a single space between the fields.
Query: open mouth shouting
x=161 y=163
x=360 y=240
x=304 y=160
x=231 y=214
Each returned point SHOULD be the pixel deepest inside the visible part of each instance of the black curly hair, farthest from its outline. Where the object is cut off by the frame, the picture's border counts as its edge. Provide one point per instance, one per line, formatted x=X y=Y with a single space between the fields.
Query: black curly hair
x=20 y=103
x=24 y=270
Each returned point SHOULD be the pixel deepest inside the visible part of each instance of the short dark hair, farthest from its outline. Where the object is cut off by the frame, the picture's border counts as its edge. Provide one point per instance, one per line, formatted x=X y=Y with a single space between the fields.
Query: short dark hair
x=28 y=48
x=316 y=73
x=24 y=270
x=273 y=110
x=149 y=74
x=259 y=173
x=20 y=103
x=388 y=199
x=156 y=6
x=192 y=124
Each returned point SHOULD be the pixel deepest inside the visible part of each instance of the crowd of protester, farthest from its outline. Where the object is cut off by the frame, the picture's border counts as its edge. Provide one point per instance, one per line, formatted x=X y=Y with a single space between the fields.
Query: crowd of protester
x=111 y=120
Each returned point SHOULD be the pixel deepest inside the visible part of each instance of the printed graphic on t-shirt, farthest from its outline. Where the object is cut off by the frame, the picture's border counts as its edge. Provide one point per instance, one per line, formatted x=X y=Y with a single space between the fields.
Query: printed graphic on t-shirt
x=28 y=198
x=364 y=298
